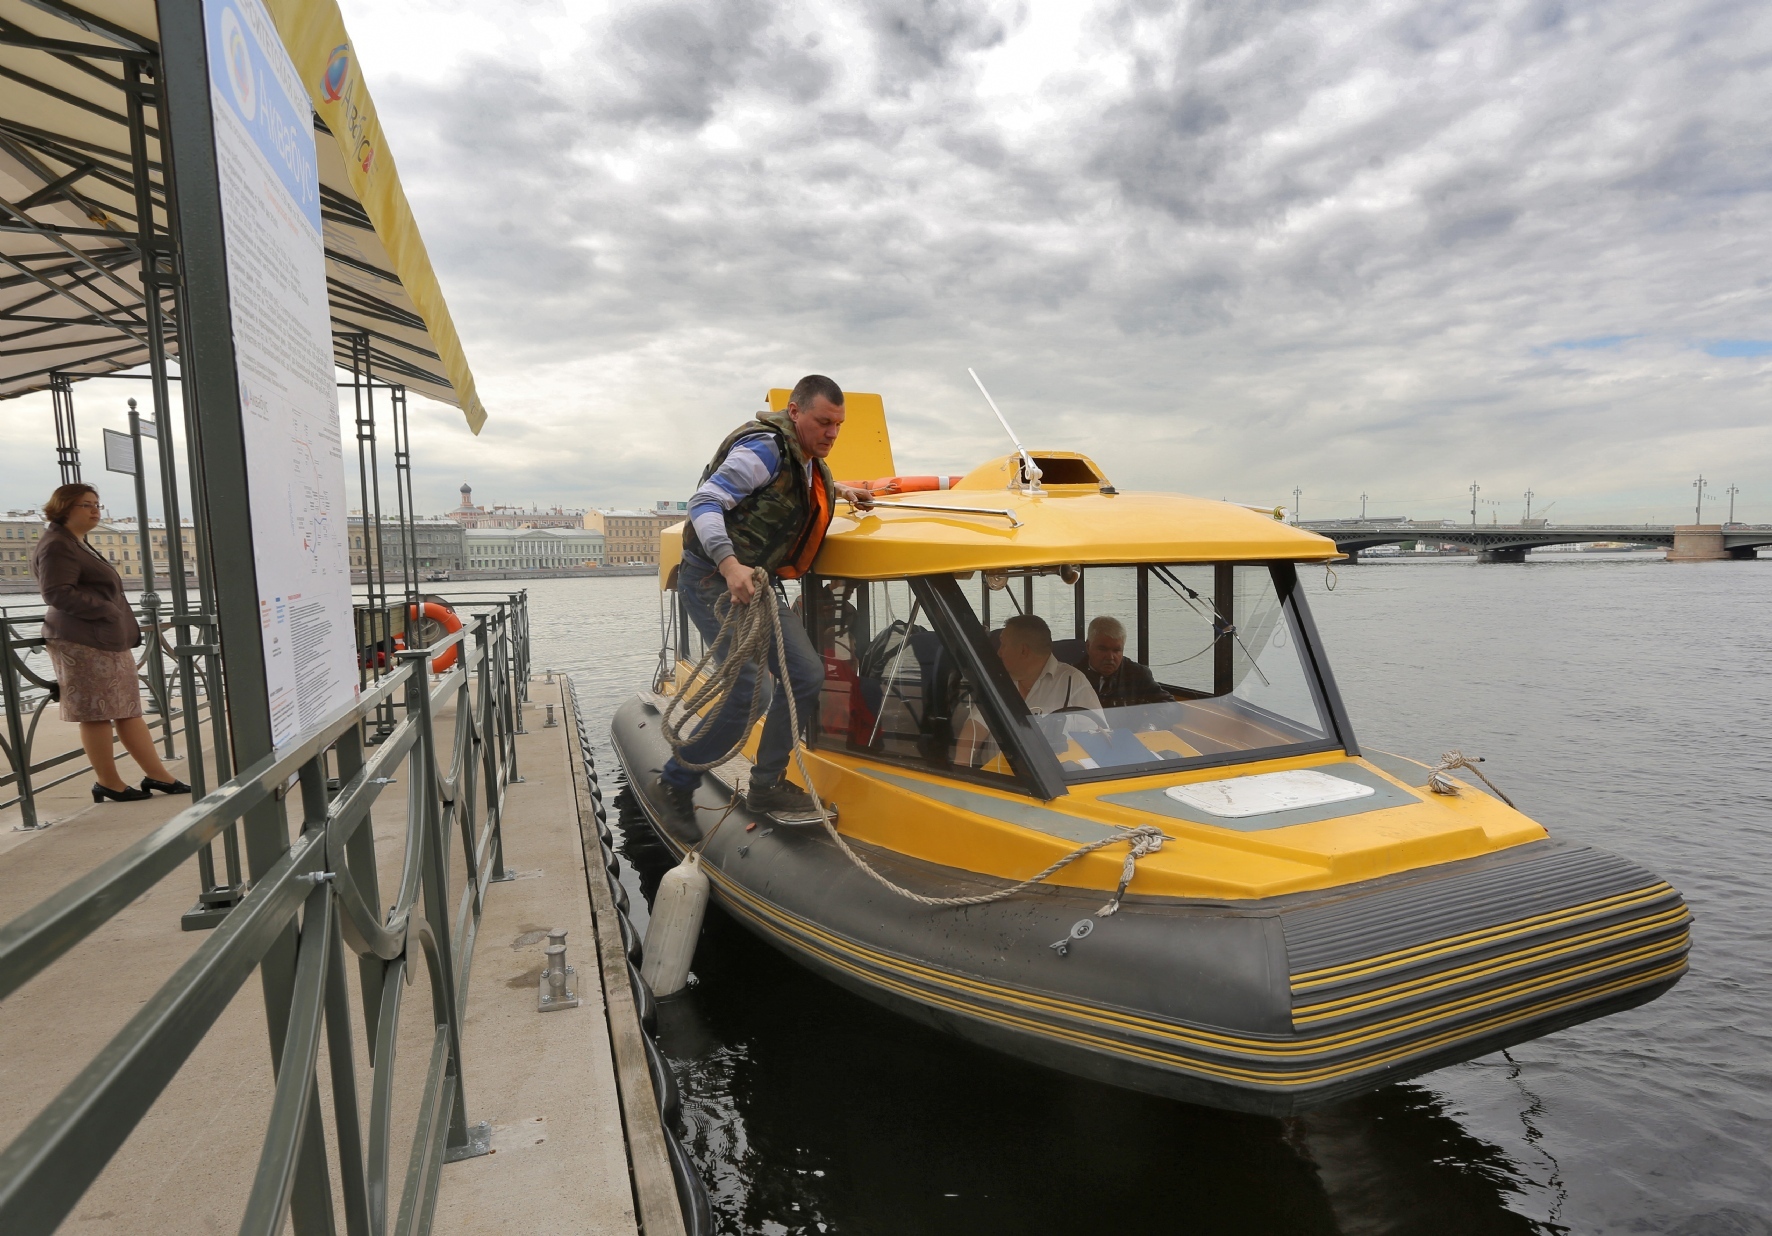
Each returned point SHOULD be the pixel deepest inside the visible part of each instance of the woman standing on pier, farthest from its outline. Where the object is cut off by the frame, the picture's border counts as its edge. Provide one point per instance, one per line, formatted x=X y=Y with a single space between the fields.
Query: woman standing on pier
x=90 y=631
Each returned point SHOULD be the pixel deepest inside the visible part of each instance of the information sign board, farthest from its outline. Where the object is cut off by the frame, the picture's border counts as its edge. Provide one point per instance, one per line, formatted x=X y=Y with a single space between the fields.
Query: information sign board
x=295 y=475
x=119 y=452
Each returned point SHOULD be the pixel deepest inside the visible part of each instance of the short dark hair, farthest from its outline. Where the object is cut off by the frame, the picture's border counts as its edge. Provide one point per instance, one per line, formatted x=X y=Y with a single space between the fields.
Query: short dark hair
x=811 y=387
x=1029 y=630
x=62 y=502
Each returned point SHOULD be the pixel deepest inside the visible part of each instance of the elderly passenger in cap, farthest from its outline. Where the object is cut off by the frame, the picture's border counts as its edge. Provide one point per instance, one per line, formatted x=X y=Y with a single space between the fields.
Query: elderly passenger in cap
x=1117 y=681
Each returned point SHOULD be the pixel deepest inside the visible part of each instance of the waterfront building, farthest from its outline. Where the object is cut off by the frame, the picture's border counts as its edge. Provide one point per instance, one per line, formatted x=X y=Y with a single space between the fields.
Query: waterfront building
x=533 y=549
x=631 y=537
x=438 y=545
x=467 y=515
x=116 y=541
x=19 y=531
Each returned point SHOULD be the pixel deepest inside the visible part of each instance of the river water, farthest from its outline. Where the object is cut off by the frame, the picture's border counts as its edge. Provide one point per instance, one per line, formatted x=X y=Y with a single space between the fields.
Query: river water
x=1623 y=701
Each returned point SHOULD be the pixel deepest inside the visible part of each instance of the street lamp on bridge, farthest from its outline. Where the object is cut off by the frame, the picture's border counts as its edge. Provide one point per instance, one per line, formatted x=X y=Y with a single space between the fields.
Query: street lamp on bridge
x=1698 y=518
x=1475 y=490
x=1362 y=508
x=1296 y=495
x=1732 y=491
x=1529 y=496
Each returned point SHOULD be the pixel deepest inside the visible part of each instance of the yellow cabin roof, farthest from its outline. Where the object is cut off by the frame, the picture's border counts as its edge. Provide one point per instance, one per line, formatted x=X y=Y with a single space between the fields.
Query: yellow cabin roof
x=1069 y=523
x=1074 y=521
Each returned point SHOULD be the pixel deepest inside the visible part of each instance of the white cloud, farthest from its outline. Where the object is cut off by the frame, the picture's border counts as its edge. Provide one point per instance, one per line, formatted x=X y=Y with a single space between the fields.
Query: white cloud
x=1231 y=248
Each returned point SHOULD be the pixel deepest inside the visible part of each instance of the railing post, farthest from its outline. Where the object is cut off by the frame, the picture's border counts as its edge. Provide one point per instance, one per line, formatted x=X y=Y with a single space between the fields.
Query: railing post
x=495 y=815
x=17 y=743
x=507 y=695
x=359 y=858
x=425 y=808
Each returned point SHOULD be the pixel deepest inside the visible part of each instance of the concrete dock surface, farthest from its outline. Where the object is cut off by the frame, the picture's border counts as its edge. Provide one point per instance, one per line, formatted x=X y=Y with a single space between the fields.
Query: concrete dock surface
x=547 y=1083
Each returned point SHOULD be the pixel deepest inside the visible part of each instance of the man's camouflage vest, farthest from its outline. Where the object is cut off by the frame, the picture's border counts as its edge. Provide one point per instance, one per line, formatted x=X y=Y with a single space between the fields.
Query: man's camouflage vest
x=780 y=526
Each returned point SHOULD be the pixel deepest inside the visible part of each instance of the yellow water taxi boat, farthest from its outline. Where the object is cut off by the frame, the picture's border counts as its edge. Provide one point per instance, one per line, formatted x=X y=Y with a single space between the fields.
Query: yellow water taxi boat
x=1317 y=920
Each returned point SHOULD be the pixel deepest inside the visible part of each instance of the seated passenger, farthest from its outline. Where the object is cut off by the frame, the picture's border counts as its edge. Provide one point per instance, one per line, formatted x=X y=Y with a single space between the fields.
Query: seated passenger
x=1046 y=684
x=1117 y=681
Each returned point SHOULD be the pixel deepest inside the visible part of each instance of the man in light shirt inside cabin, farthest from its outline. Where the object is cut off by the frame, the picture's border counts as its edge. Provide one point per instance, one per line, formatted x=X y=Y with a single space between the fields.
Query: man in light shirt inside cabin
x=1047 y=685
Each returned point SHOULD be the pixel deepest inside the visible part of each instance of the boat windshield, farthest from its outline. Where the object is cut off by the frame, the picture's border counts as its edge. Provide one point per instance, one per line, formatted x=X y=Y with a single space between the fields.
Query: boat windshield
x=1189 y=664
x=1124 y=670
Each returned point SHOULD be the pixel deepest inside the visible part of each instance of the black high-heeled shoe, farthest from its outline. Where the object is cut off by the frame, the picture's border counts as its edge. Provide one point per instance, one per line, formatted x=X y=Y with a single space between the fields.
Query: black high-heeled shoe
x=165 y=787
x=128 y=794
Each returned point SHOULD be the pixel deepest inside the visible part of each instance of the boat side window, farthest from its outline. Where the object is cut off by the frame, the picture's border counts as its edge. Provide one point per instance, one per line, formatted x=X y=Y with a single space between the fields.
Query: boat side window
x=892 y=689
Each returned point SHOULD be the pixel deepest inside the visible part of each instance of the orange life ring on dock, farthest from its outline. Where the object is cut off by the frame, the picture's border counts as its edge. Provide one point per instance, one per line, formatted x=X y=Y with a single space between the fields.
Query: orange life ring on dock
x=443 y=616
x=909 y=484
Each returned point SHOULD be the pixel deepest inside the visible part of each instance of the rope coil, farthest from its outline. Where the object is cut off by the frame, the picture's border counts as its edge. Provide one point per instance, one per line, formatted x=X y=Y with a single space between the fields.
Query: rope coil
x=746 y=632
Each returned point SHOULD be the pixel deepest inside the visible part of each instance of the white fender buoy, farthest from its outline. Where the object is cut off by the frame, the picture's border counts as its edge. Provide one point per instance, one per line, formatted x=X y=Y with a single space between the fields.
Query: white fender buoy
x=677 y=909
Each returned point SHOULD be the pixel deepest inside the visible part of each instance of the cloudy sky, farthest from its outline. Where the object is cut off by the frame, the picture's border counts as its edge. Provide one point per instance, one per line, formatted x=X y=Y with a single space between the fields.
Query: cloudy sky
x=1228 y=248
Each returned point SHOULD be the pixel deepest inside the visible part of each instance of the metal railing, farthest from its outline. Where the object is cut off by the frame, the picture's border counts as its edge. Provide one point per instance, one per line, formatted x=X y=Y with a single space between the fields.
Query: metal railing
x=309 y=900
x=27 y=688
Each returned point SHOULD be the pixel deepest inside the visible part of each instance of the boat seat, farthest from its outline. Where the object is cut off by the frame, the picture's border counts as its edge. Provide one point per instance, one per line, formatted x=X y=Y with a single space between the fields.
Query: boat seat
x=1069 y=651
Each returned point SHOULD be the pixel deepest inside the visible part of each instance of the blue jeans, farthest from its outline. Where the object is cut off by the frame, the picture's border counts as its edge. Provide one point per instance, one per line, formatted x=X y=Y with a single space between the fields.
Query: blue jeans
x=700 y=585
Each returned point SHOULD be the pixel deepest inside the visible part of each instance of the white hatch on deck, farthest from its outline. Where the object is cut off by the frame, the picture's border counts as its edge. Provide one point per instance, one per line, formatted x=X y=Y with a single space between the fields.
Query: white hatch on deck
x=1237 y=797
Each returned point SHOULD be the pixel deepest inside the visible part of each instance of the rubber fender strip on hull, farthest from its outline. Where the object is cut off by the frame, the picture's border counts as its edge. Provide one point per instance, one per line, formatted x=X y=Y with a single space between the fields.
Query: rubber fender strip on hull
x=1331 y=975
x=692 y=1194
x=1239 y=1058
x=818 y=940
x=1266 y=1079
x=1339 y=926
x=1441 y=980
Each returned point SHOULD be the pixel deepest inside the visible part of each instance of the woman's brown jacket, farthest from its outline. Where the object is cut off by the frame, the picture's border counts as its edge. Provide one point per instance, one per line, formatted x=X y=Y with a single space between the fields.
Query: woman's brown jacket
x=84 y=593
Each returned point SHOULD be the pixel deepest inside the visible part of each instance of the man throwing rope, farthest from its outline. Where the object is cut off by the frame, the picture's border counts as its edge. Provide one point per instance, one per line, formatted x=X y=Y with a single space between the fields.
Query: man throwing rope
x=765 y=501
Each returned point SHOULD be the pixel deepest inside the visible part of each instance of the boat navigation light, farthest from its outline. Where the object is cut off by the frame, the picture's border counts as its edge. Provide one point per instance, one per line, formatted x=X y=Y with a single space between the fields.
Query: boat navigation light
x=1030 y=473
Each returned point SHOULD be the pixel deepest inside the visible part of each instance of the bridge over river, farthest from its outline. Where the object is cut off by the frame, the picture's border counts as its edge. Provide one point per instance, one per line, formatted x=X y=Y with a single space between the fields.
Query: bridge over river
x=1509 y=542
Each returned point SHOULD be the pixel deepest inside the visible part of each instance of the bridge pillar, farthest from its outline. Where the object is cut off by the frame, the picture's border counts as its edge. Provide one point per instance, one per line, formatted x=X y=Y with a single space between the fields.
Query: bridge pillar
x=1742 y=553
x=1509 y=553
x=1696 y=543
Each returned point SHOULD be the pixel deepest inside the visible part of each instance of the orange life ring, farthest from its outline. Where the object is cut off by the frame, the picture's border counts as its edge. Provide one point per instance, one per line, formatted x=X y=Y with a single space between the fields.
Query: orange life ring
x=909 y=484
x=441 y=614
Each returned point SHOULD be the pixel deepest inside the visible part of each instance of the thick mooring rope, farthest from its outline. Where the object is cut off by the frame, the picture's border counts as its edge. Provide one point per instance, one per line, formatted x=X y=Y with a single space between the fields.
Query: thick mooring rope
x=745 y=634
x=1440 y=783
x=744 y=638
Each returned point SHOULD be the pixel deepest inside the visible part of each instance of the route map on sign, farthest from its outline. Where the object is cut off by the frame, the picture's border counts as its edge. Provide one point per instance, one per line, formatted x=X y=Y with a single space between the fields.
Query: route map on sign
x=295 y=473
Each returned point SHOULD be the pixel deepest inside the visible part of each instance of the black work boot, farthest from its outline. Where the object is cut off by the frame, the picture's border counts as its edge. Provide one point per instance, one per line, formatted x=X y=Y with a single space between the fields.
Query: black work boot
x=779 y=797
x=679 y=800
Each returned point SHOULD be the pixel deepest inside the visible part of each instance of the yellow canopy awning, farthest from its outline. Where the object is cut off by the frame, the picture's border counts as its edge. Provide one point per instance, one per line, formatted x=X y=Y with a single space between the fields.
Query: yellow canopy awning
x=71 y=299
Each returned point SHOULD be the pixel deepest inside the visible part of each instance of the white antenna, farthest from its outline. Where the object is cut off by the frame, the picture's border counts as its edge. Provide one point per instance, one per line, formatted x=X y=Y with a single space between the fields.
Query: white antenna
x=1027 y=461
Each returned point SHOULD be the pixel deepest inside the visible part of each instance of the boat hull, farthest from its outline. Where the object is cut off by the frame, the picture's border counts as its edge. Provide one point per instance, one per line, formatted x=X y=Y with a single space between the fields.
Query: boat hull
x=1269 y=1006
